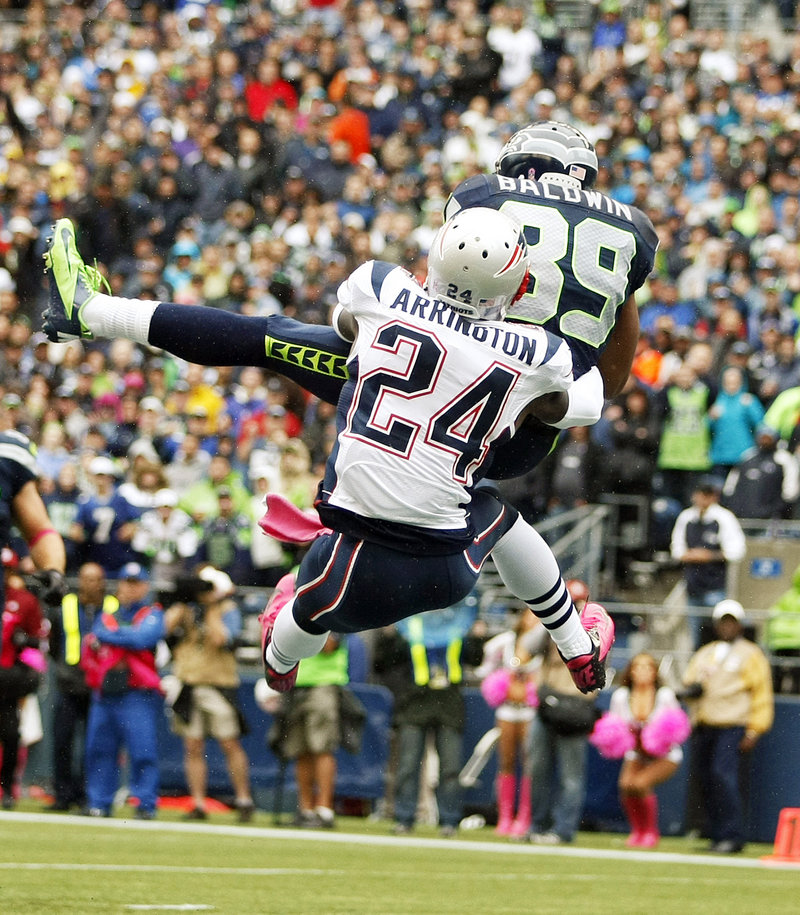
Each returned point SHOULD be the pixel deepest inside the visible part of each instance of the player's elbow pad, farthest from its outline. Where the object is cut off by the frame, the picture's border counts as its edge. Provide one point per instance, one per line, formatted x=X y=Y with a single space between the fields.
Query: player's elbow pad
x=585 y=401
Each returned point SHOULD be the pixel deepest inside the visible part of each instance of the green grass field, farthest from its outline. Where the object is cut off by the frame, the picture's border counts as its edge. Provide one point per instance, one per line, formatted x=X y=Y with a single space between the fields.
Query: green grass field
x=51 y=863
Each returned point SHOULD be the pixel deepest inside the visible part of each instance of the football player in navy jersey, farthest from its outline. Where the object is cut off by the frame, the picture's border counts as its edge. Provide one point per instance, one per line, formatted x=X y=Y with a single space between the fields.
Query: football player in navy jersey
x=22 y=506
x=588 y=252
x=435 y=378
x=588 y=255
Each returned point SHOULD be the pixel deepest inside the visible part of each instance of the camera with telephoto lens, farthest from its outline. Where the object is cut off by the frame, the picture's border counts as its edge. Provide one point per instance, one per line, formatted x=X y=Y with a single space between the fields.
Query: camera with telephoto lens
x=187 y=590
x=691 y=691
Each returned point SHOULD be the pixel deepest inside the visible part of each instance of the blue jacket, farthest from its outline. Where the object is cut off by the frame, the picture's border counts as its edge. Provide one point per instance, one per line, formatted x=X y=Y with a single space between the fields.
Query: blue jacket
x=733 y=424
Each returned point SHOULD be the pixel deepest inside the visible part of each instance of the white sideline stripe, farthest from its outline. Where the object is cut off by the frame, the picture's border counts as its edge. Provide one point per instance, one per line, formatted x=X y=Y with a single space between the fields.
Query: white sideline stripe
x=184 y=907
x=170 y=869
x=246 y=832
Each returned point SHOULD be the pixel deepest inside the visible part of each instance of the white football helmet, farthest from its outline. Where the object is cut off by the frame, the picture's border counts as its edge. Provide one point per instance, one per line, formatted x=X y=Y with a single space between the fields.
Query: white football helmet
x=478 y=264
x=549 y=151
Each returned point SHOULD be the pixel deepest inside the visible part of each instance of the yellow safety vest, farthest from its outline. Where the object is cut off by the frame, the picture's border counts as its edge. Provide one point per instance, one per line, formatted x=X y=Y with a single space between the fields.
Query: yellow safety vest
x=71 y=624
x=419 y=656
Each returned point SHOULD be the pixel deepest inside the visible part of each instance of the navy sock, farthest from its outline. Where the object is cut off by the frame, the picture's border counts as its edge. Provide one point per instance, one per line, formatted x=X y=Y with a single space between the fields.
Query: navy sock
x=310 y=354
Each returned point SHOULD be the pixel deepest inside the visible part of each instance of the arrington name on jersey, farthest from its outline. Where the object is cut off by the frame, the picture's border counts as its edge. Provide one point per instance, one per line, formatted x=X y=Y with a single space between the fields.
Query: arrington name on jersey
x=513 y=344
x=588 y=254
x=428 y=396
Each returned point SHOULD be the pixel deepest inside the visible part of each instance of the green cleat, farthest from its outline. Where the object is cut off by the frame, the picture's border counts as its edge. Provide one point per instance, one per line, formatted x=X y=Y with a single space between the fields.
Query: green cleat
x=72 y=285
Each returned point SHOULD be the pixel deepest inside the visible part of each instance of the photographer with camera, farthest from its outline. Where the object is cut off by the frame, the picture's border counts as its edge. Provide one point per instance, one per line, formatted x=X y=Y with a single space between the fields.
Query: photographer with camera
x=203 y=625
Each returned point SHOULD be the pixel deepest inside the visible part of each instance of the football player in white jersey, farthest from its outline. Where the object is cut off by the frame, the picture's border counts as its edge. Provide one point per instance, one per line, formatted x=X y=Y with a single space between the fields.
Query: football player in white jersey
x=588 y=256
x=435 y=378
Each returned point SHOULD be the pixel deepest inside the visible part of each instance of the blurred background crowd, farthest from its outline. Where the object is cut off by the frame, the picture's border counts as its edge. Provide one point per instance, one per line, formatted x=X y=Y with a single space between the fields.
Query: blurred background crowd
x=249 y=155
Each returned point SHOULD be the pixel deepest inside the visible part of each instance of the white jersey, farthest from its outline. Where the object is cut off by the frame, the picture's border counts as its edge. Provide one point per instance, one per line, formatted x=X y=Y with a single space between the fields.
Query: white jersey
x=429 y=393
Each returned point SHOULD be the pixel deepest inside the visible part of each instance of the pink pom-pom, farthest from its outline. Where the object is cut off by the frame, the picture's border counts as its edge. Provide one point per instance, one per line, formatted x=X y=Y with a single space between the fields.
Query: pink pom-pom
x=612 y=736
x=33 y=658
x=667 y=728
x=532 y=694
x=494 y=688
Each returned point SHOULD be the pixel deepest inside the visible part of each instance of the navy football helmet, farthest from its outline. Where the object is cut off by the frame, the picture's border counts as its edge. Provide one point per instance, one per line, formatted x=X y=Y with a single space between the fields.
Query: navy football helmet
x=549 y=151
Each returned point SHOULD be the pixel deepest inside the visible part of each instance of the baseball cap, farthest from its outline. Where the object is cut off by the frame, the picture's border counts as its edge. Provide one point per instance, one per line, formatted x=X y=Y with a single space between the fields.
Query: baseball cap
x=728 y=607
x=545 y=97
x=102 y=466
x=165 y=497
x=133 y=380
x=221 y=583
x=21 y=225
x=151 y=403
x=185 y=248
x=161 y=125
x=224 y=492
x=740 y=348
x=12 y=400
x=133 y=571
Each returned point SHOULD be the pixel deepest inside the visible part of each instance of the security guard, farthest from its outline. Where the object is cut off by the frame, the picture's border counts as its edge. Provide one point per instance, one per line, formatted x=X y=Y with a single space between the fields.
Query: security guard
x=78 y=612
x=430 y=701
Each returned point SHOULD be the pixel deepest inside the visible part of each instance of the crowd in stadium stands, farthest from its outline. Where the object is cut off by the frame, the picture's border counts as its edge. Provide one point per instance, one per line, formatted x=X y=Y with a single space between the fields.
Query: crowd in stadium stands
x=249 y=156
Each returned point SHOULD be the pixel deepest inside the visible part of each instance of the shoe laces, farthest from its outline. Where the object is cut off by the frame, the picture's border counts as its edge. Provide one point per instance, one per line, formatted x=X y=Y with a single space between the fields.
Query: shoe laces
x=93 y=278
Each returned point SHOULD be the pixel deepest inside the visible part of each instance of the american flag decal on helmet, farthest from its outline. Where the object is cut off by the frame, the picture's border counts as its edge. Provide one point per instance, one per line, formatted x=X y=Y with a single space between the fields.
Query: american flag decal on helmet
x=578 y=171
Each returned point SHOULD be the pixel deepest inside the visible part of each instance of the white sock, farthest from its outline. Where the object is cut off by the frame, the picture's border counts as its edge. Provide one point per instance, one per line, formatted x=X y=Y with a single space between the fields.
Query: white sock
x=528 y=567
x=111 y=316
x=290 y=643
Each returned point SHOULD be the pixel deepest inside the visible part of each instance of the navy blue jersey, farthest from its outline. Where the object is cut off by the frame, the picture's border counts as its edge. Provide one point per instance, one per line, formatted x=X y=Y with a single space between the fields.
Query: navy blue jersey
x=101 y=519
x=588 y=254
x=17 y=467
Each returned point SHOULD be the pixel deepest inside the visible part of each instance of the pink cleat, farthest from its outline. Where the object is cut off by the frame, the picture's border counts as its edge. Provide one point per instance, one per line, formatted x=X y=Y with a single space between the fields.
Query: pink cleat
x=588 y=670
x=284 y=590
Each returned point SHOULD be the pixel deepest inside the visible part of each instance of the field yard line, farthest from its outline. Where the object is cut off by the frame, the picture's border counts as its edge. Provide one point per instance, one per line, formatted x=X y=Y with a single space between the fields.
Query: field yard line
x=284 y=834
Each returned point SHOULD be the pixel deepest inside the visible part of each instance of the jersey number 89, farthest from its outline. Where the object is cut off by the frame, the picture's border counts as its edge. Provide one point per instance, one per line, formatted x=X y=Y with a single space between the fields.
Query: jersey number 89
x=586 y=264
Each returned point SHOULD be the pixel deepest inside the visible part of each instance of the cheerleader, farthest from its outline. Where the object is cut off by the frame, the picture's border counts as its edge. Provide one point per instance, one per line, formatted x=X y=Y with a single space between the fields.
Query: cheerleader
x=508 y=685
x=645 y=726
